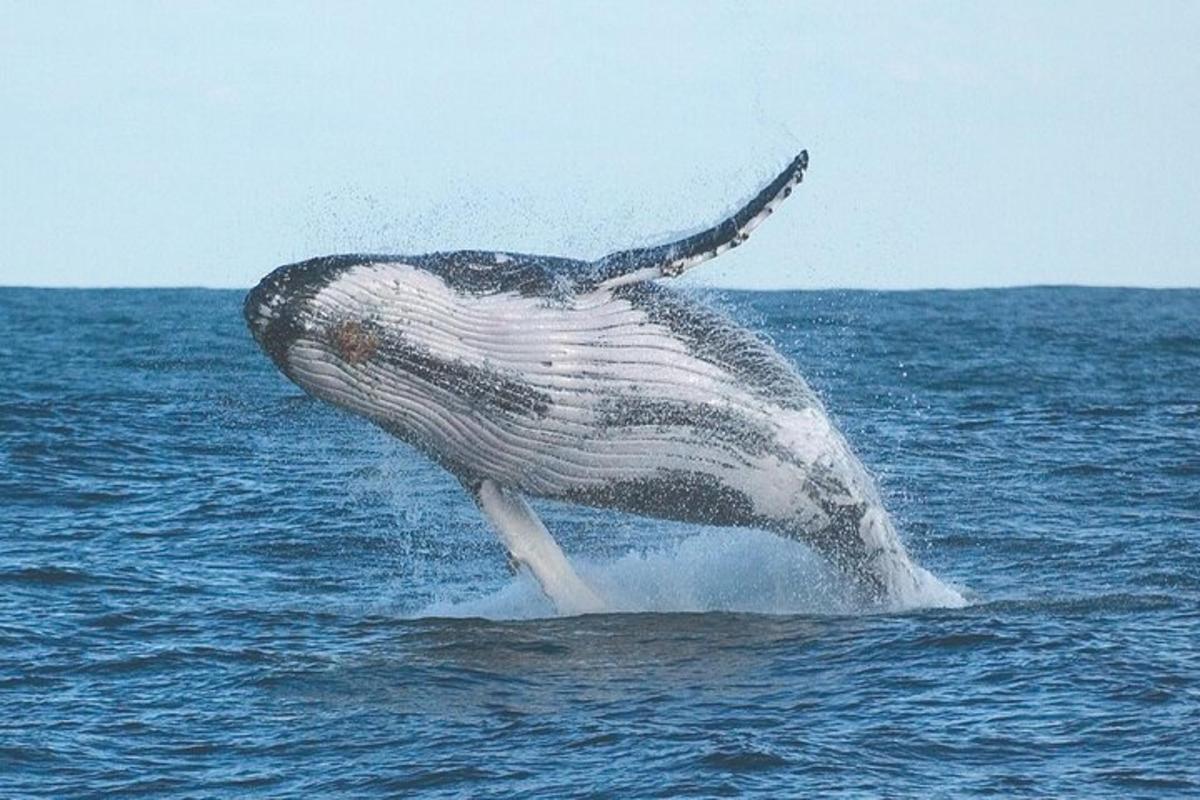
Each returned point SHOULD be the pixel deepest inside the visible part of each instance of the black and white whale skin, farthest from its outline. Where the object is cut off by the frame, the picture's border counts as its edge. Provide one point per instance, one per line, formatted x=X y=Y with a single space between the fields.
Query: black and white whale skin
x=586 y=382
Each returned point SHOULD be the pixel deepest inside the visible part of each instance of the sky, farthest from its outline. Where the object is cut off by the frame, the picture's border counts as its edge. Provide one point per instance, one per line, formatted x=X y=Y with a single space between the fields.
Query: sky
x=951 y=144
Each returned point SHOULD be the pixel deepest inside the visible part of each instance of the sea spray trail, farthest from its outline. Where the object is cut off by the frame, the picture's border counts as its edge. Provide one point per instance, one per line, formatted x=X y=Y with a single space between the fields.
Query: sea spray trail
x=213 y=586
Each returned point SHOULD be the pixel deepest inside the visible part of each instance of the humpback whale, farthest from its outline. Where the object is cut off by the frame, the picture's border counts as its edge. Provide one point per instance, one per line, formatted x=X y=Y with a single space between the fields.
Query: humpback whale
x=590 y=382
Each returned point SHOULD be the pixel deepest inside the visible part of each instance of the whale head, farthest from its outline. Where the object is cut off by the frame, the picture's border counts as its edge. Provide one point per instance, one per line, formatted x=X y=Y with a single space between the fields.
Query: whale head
x=387 y=338
x=283 y=308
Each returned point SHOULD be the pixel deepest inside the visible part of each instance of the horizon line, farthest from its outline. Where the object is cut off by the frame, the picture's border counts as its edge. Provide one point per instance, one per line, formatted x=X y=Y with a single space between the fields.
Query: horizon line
x=830 y=288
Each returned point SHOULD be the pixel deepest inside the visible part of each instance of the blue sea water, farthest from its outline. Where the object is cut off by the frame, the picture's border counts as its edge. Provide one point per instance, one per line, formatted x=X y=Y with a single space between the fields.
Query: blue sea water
x=213 y=586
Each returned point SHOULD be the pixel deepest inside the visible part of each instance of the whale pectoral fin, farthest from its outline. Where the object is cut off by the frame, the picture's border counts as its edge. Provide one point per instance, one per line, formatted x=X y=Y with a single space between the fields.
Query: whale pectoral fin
x=670 y=260
x=529 y=544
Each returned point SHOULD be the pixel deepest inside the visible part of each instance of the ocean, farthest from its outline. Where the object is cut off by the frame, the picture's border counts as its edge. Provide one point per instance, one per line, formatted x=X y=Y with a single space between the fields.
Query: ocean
x=214 y=586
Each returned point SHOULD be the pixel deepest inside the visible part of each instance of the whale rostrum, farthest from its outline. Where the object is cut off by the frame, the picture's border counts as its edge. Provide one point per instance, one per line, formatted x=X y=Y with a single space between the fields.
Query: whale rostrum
x=590 y=382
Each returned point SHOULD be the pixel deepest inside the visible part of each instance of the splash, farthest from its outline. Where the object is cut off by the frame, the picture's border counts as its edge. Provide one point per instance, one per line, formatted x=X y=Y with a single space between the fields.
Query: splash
x=716 y=570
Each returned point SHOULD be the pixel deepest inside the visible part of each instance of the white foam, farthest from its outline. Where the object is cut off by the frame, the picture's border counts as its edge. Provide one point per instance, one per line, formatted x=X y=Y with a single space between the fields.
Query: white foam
x=715 y=570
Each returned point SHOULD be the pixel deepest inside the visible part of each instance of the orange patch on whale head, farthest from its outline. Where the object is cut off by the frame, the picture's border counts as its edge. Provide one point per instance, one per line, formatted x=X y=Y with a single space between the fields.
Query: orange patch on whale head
x=353 y=342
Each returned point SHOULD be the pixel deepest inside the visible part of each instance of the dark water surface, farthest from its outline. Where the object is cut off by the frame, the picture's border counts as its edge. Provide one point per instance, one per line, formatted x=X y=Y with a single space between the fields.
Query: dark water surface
x=211 y=586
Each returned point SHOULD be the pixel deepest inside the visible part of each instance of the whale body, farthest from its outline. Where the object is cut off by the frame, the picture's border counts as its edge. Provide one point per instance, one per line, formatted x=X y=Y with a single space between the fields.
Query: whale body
x=589 y=382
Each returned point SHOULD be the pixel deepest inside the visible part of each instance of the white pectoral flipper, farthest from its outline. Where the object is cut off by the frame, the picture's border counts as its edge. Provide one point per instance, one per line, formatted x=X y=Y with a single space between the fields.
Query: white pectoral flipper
x=670 y=260
x=531 y=545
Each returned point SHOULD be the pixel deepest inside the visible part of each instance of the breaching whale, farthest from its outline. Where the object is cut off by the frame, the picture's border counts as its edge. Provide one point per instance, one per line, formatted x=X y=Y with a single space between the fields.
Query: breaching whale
x=585 y=382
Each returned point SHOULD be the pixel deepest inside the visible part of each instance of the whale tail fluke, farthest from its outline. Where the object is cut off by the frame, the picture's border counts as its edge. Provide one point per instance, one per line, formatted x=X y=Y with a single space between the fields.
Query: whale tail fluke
x=670 y=260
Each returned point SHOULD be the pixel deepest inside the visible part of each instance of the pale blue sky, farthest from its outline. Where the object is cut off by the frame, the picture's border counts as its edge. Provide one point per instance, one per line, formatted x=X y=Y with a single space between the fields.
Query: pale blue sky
x=951 y=144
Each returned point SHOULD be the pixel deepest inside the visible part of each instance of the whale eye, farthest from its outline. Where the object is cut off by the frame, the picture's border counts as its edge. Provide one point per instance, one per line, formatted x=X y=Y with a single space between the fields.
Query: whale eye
x=353 y=342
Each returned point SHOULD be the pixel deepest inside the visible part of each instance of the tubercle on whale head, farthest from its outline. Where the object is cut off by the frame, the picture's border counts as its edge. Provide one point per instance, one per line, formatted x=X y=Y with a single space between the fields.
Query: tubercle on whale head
x=273 y=309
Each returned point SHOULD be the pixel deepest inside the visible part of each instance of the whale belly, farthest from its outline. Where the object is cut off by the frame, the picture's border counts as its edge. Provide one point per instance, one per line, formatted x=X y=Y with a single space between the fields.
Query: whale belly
x=637 y=400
